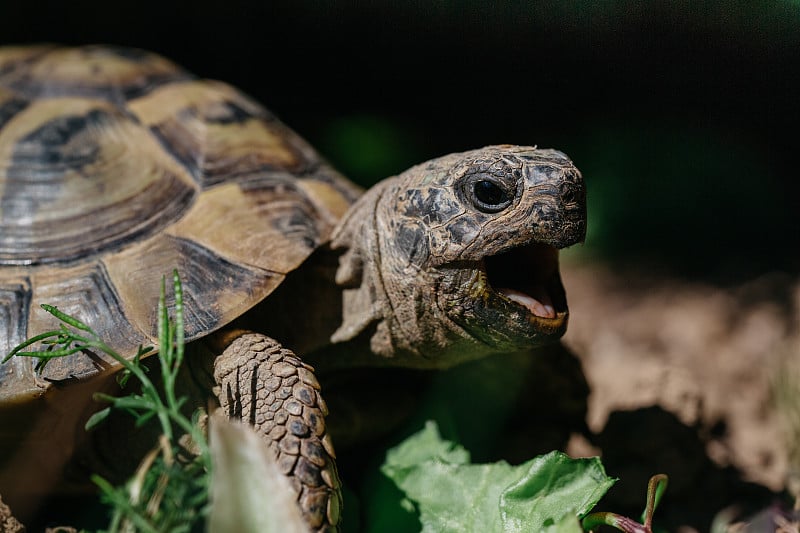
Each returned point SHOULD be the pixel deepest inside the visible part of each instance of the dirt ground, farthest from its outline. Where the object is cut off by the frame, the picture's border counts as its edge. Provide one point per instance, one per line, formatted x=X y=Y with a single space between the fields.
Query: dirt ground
x=684 y=378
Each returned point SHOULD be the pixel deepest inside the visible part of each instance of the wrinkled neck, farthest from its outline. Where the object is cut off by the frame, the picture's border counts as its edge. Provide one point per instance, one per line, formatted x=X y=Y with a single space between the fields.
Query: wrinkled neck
x=390 y=293
x=364 y=300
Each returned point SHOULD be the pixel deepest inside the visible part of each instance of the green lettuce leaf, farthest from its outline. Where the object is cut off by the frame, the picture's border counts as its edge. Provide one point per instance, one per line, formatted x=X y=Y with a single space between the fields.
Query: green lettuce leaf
x=547 y=493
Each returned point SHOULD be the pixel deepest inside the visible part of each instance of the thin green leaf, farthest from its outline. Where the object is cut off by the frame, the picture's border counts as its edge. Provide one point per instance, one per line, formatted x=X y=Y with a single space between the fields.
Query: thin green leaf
x=180 y=403
x=135 y=402
x=163 y=324
x=144 y=418
x=137 y=358
x=67 y=319
x=179 y=338
x=103 y=397
x=40 y=365
x=143 y=350
x=33 y=340
x=123 y=506
x=98 y=417
x=52 y=354
x=123 y=376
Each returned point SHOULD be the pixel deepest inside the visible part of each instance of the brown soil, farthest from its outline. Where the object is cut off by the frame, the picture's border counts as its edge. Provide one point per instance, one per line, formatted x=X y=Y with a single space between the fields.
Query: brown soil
x=682 y=377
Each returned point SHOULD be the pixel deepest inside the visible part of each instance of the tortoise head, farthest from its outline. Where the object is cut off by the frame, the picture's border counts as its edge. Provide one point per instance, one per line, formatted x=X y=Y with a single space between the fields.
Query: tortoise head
x=458 y=257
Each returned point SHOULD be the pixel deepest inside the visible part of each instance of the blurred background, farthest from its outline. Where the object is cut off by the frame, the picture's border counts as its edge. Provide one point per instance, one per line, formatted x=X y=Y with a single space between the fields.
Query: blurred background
x=681 y=114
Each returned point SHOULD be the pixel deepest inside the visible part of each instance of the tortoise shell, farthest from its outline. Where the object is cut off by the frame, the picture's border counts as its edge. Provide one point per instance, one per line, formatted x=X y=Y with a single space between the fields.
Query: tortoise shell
x=116 y=167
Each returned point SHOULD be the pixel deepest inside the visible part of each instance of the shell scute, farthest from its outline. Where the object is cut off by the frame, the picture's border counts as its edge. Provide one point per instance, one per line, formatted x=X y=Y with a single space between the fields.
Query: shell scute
x=221 y=135
x=16 y=375
x=117 y=167
x=77 y=177
x=10 y=105
x=89 y=295
x=215 y=290
x=112 y=73
x=283 y=226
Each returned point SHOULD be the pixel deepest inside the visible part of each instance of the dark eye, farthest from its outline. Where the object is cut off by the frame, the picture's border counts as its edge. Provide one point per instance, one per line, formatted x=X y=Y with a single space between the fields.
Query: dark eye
x=490 y=197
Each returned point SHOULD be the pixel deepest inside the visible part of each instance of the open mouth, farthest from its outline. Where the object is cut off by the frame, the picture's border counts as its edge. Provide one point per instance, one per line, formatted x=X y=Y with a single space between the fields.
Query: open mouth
x=528 y=277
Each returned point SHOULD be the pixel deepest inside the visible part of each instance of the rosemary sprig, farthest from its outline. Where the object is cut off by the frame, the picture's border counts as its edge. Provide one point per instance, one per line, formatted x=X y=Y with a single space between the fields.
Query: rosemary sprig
x=168 y=492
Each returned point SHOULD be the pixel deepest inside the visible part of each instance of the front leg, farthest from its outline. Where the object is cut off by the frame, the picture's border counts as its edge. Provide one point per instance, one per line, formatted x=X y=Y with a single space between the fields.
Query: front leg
x=267 y=386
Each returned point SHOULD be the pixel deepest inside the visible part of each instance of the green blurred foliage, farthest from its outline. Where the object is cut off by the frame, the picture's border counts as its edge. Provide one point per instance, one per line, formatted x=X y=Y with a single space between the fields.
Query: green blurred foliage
x=370 y=147
x=695 y=200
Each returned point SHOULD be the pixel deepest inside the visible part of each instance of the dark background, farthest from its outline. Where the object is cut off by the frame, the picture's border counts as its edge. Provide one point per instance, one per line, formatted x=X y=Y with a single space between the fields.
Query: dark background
x=681 y=114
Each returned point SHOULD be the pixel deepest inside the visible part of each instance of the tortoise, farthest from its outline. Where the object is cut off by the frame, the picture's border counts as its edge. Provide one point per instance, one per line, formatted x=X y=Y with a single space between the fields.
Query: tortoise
x=117 y=166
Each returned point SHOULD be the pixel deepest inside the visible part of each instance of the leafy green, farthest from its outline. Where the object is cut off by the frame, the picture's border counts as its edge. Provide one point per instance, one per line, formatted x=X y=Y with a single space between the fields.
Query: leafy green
x=547 y=493
x=553 y=486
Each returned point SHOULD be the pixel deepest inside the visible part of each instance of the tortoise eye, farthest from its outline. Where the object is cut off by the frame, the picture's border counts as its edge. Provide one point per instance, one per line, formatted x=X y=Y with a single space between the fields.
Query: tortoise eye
x=490 y=197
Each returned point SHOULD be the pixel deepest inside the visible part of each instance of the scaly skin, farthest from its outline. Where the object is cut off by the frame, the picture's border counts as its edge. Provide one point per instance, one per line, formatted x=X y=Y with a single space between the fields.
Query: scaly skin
x=277 y=394
x=415 y=249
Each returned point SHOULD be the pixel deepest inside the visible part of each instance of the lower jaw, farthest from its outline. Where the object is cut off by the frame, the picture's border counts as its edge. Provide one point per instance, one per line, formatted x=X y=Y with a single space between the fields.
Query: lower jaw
x=532 y=332
x=494 y=323
x=505 y=327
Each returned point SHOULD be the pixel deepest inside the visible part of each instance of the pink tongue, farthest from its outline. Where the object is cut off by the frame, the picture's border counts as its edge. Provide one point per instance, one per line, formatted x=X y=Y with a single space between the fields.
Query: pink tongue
x=543 y=308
